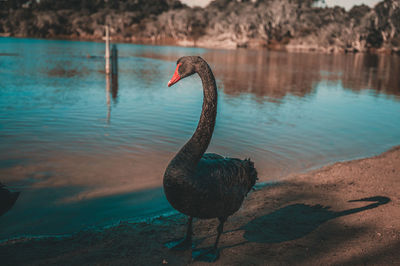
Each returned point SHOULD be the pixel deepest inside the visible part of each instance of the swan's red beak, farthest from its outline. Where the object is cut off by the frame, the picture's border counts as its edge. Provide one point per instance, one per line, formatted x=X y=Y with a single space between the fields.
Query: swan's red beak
x=175 y=77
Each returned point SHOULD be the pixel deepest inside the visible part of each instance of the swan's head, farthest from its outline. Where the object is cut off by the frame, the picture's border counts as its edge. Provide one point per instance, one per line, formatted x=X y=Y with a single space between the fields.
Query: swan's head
x=185 y=66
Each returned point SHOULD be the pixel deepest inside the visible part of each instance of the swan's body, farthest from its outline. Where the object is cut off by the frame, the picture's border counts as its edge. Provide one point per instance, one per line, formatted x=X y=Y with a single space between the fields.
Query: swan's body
x=216 y=189
x=205 y=185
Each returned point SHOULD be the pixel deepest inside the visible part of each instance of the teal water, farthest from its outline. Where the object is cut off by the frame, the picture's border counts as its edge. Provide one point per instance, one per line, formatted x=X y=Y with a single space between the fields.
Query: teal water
x=87 y=152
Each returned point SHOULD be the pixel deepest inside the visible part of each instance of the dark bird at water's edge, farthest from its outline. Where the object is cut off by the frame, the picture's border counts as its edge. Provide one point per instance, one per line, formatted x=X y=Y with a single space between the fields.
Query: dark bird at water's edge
x=7 y=199
x=205 y=185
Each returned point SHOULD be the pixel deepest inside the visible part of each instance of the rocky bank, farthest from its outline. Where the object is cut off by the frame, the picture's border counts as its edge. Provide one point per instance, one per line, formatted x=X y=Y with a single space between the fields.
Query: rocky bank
x=274 y=24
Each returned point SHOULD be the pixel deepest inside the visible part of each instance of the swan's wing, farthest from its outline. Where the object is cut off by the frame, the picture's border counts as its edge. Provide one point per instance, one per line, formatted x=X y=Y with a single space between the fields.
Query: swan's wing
x=225 y=178
x=217 y=188
x=212 y=156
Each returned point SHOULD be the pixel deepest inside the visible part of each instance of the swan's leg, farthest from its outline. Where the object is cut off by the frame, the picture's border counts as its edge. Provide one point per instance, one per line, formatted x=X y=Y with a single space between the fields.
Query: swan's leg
x=189 y=231
x=210 y=254
x=220 y=229
x=183 y=244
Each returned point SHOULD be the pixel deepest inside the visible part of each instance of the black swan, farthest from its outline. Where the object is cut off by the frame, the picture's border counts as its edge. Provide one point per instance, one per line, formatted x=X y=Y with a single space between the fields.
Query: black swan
x=205 y=185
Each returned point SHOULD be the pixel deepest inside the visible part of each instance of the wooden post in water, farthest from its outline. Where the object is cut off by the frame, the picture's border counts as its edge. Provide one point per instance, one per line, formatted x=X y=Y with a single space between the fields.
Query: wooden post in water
x=107 y=55
x=114 y=71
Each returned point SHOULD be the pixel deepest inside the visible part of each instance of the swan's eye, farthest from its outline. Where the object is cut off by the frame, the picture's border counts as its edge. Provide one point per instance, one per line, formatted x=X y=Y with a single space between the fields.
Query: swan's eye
x=176 y=77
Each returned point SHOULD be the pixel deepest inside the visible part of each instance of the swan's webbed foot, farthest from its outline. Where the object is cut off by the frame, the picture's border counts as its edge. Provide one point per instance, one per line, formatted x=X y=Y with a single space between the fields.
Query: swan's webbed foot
x=210 y=254
x=180 y=244
x=206 y=254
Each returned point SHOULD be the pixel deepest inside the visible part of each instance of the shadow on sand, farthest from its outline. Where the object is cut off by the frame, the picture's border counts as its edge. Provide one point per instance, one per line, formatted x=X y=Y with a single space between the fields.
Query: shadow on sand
x=297 y=220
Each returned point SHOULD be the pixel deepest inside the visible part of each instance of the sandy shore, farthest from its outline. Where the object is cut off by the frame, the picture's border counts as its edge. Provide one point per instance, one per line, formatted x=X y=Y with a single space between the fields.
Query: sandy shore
x=306 y=219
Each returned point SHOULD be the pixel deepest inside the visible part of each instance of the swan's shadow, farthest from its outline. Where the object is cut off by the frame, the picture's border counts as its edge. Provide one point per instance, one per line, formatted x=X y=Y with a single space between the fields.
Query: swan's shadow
x=292 y=222
x=296 y=221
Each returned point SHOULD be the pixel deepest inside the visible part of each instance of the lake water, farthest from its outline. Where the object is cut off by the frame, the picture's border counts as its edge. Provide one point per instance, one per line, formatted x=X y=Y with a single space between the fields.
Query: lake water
x=89 y=152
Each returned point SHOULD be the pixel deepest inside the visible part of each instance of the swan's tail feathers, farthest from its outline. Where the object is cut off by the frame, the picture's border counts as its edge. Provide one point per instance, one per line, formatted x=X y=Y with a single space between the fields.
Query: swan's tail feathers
x=251 y=173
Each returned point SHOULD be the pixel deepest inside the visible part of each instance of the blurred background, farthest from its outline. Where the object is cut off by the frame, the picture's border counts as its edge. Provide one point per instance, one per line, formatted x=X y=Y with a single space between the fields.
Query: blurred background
x=331 y=26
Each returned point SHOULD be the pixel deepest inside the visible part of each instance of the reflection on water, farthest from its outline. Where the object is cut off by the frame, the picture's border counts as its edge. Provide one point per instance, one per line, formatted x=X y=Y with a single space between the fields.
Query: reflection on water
x=108 y=98
x=275 y=74
x=75 y=161
x=265 y=74
x=111 y=88
x=114 y=87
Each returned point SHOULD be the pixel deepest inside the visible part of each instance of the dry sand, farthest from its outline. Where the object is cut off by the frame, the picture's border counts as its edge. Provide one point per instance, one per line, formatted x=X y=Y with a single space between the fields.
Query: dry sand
x=306 y=219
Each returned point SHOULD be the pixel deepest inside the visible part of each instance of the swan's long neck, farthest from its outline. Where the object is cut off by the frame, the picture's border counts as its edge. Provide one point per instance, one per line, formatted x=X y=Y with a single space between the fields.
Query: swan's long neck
x=190 y=154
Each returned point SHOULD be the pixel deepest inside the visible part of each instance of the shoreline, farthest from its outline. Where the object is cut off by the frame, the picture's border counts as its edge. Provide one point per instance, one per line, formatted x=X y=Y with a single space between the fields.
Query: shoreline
x=306 y=219
x=216 y=45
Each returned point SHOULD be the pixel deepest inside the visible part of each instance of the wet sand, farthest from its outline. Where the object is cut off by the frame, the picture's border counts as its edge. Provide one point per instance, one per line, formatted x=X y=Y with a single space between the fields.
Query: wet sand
x=305 y=219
